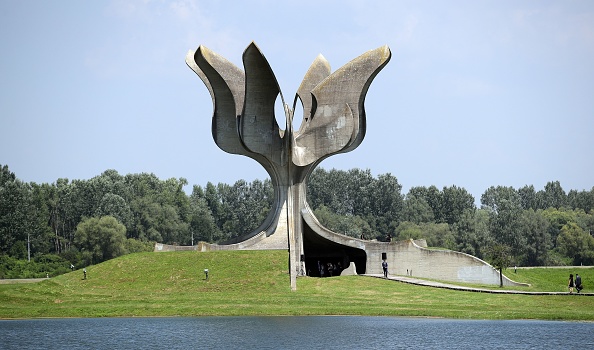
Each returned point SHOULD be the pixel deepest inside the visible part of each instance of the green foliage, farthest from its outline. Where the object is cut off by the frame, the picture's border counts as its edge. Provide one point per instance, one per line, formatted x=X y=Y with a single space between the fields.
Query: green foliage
x=505 y=211
x=43 y=218
x=42 y=266
x=14 y=204
x=583 y=200
x=500 y=257
x=535 y=226
x=409 y=230
x=436 y=235
x=103 y=238
x=357 y=197
x=114 y=205
x=132 y=245
x=417 y=210
x=576 y=244
x=349 y=225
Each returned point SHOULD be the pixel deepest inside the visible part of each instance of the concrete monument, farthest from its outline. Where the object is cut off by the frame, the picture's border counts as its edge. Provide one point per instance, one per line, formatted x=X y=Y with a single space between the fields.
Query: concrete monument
x=244 y=123
x=334 y=121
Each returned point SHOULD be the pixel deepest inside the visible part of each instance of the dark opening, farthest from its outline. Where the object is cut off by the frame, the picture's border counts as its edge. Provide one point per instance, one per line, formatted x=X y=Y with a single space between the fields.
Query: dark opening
x=324 y=258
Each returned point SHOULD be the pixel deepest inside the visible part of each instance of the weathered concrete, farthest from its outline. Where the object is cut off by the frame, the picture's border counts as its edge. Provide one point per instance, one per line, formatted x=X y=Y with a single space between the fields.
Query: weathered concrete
x=351 y=270
x=412 y=258
x=334 y=122
x=244 y=123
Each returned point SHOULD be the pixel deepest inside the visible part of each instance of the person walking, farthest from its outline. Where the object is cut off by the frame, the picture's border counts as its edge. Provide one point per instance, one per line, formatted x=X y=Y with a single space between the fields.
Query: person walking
x=385 y=268
x=578 y=282
x=571 y=283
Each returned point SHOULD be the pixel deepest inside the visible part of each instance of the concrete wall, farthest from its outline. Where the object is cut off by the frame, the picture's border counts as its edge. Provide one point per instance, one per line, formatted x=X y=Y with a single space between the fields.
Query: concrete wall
x=404 y=257
x=257 y=242
x=409 y=258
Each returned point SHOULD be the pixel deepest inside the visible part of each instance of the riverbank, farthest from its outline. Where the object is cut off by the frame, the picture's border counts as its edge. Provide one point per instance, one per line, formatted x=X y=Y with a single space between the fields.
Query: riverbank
x=257 y=283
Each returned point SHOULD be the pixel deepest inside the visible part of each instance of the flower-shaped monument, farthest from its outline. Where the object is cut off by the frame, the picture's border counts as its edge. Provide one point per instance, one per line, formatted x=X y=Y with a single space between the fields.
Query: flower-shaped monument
x=333 y=122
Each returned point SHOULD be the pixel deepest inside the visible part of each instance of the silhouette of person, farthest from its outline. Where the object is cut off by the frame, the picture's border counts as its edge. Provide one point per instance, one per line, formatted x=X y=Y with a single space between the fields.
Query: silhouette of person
x=578 y=282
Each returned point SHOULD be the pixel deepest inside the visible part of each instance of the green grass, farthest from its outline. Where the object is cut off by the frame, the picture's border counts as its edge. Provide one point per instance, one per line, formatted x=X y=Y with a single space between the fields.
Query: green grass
x=257 y=283
x=540 y=279
x=552 y=279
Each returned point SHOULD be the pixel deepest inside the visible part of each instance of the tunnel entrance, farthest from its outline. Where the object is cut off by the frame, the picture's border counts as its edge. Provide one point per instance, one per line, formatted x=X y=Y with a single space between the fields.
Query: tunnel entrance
x=325 y=258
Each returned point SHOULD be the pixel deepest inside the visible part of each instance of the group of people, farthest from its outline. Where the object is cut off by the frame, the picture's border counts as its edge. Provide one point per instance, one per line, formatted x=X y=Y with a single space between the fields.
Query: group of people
x=329 y=269
x=577 y=283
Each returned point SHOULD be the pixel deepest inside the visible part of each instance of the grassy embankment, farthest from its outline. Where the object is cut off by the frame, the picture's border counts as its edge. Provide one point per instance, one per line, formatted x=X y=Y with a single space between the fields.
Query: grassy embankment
x=257 y=283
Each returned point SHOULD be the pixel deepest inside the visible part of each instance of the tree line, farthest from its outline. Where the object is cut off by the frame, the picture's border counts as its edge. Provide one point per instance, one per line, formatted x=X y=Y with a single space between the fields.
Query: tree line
x=84 y=222
x=534 y=228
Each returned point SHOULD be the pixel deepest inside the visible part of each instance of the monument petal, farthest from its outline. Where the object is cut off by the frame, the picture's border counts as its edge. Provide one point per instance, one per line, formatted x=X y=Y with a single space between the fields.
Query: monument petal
x=226 y=85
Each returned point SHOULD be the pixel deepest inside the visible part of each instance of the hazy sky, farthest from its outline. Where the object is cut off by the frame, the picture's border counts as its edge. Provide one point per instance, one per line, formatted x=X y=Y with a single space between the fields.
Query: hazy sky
x=477 y=94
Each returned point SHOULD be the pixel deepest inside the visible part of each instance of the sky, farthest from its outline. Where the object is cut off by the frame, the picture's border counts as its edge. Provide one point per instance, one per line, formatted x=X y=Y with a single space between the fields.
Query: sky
x=477 y=93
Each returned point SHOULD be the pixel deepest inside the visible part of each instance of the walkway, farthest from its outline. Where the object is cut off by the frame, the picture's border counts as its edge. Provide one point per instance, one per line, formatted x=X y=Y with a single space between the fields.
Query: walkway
x=420 y=282
x=21 y=280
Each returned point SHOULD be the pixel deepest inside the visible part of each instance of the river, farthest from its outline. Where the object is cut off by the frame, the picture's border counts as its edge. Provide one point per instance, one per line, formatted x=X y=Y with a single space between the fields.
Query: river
x=289 y=332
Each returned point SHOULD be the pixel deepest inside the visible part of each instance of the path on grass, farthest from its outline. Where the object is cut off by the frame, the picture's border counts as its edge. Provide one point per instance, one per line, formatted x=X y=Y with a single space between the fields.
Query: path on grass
x=21 y=280
x=420 y=282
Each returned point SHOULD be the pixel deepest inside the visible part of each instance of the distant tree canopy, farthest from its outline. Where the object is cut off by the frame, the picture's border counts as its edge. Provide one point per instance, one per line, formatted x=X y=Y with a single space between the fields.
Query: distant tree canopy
x=72 y=219
x=101 y=238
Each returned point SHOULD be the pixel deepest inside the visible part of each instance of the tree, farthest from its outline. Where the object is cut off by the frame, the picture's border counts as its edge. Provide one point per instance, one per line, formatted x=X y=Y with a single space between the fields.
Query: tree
x=417 y=210
x=535 y=228
x=101 y=238
x=360 y=186
x=409 y=230
x=505 y=210
x=13 y=206
x=465 y=234
x=484 y=237
x=349 y=225
x=387 y=204
x=557 y=219
x=432 y=196
x=581 y=200
x=355 y=195
x=436 y=235
x=202 y=223
x=500 y=257
x=213 y=201
x=114 y=205
x=553 y=196
x=40 y=233
x=67 y=205
x=528 y=197
x=454 y=202
x=439 y=235
x=576 y=244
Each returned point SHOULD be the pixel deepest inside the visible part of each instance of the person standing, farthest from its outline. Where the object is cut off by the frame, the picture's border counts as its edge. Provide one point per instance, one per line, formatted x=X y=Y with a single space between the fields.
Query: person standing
x=571 y=283
x=385 y=268
x=578 y=282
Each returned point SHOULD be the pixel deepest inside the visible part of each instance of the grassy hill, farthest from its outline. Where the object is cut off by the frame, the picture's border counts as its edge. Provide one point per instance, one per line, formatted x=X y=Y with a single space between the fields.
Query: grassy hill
x=257 y=283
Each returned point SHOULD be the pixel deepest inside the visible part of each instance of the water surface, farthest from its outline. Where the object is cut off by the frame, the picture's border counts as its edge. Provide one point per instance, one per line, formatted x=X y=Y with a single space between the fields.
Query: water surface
x=288 y=332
